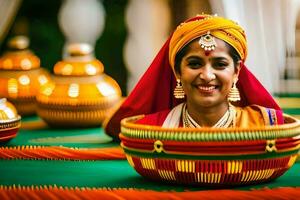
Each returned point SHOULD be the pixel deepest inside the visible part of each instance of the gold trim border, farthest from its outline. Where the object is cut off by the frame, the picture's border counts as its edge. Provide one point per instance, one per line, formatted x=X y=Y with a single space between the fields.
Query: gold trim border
x=206 y=154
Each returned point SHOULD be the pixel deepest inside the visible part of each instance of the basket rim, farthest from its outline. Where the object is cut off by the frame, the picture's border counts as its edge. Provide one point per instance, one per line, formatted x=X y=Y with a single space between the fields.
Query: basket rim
x=7 y=121
x=130 y=129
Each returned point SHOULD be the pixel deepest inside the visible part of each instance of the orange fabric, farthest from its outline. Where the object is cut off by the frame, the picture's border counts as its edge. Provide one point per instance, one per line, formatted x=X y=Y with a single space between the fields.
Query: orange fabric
x=251 y=116
x=222 y=28
x=61 y=153
x=54 y=192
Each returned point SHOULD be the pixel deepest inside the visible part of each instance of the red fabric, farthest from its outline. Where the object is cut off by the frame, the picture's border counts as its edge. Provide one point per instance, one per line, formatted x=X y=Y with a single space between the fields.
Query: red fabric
x=154 y=92
x=252 y=91
x=156 y=119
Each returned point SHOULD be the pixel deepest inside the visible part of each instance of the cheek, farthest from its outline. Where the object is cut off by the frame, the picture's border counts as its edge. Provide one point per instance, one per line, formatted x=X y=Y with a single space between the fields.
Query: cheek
x=186 y=81
x=229 y=84
x=188 y=76
x=227 y=80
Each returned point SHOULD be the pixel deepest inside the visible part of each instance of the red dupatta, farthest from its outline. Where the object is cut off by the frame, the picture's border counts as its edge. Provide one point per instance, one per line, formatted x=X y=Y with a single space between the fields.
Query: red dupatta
x=154 y=92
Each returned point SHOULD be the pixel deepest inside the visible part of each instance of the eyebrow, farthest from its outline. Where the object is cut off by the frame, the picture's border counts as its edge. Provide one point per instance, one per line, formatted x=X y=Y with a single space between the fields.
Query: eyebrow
x=219 y=58
x=194 y=57
x=213 y=58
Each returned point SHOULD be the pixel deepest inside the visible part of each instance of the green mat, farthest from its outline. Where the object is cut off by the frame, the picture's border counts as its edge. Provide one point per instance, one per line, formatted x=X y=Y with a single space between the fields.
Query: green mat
x=287 y=94
x=45 y=136
x=292 y=111
x=112 y=174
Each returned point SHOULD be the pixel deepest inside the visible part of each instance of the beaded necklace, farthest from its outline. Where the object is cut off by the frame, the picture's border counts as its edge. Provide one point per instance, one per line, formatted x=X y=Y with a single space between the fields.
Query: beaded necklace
x=228 y=119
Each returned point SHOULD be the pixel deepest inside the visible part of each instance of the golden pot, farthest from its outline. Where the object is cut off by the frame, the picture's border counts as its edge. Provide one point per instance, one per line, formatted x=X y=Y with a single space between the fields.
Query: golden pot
x=10 y=121
x=80 y=94
x=21 y=76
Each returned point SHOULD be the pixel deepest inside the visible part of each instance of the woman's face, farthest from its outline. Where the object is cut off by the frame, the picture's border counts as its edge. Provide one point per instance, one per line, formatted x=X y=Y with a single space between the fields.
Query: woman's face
x=207 y=77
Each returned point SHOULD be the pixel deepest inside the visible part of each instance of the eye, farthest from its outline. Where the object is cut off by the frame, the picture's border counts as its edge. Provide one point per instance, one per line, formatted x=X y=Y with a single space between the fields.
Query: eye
x=194 y=63
x=220 y=64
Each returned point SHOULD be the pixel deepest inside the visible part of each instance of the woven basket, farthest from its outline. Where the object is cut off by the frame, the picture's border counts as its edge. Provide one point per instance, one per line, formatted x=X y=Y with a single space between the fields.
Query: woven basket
x=211 y=156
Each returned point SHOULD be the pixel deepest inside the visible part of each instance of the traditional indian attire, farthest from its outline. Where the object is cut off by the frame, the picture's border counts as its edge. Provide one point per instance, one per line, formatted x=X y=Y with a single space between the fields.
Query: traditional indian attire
x=154 y=92
x=245 y=117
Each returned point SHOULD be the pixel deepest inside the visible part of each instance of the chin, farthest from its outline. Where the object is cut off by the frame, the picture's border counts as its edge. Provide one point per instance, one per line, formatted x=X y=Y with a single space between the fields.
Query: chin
x=206 y=103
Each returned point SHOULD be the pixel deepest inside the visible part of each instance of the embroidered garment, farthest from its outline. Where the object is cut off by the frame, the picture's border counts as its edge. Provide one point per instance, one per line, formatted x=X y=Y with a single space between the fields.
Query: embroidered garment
x=245 y=117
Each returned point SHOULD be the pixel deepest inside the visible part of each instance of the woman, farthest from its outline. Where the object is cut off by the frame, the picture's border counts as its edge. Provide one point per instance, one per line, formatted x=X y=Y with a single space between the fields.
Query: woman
x=194 y=77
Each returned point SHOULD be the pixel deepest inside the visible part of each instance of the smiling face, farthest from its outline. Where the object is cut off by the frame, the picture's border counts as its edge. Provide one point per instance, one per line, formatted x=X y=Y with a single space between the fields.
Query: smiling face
x=207 y=77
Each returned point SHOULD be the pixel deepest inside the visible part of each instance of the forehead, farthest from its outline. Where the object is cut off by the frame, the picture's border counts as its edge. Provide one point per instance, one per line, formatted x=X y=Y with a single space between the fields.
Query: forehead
x=220 y=50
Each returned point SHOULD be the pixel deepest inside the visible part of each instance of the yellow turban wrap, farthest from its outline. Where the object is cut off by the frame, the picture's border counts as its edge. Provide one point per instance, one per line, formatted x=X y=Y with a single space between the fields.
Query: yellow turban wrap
x=219 y=27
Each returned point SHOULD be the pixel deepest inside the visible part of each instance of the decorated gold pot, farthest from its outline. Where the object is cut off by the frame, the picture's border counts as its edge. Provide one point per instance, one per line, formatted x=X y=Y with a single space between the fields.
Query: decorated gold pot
x=80 y=94
x=211 y=156
x=21 y=75
x=10 y=121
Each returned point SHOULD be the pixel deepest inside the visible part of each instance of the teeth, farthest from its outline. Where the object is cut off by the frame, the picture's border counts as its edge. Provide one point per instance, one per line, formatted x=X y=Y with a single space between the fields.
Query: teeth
x=206 y=88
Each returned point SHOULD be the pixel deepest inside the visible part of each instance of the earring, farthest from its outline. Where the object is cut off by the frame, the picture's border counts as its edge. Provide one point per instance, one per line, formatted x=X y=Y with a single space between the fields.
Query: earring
x=234 y=94
x=178 y=91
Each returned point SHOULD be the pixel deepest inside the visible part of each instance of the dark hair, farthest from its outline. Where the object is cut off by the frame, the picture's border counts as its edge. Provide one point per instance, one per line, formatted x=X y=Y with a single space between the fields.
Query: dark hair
x=231 y=51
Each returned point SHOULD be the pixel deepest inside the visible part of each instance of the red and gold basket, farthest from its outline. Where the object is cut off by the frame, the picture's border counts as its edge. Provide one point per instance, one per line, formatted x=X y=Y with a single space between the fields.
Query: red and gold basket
x=79 y=94
x=211 y=156
x=10 y=121
x=21 y=75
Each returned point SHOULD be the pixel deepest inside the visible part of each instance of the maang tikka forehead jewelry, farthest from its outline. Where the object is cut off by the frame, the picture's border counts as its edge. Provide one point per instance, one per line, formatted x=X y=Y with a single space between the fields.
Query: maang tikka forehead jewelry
x=207 y=42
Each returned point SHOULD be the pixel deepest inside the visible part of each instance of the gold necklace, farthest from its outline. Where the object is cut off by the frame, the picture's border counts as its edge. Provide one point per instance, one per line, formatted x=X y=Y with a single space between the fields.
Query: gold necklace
x=227 y=120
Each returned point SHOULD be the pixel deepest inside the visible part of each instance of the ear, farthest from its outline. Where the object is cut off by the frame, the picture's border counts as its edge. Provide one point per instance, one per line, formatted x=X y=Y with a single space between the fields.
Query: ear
x=177 y=74
x=237 y=69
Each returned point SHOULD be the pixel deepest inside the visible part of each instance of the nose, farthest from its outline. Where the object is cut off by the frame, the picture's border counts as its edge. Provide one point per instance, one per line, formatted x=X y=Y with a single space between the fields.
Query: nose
x=207 y=74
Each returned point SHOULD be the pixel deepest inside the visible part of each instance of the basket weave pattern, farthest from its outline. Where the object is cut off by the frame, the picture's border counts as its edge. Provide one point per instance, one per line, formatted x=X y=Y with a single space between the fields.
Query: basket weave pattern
x=211 y=156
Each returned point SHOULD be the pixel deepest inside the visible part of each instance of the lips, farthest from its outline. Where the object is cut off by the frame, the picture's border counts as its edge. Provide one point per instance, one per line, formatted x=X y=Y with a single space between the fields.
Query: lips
x=208 y=89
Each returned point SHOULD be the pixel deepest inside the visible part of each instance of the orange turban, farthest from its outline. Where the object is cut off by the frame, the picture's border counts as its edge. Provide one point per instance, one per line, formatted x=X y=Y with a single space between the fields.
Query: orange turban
x=224 y=29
